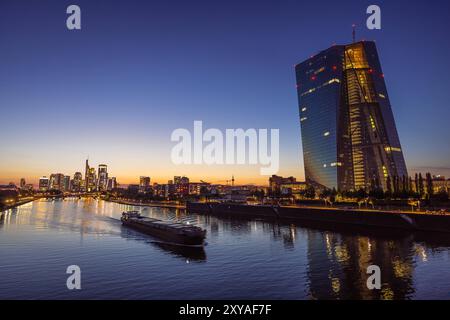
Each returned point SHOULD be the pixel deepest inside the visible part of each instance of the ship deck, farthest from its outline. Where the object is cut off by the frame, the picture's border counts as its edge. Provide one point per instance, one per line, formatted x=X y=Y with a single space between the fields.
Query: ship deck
x=175 y=225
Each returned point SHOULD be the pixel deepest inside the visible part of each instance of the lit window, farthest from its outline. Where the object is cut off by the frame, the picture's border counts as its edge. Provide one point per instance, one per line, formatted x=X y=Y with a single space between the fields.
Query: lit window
x=303 y=109
x=382 y=96
x=319 y=71
x=372 y=123
x=326 y=134
x=336 y=164
x=385 y=173
x=324 y=165
x=303 y=119
x=389 y=149
x=333 y=80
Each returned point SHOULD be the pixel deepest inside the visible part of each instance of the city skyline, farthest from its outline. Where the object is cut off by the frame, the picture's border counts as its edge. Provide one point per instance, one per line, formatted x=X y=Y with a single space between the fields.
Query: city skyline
x=117 y=98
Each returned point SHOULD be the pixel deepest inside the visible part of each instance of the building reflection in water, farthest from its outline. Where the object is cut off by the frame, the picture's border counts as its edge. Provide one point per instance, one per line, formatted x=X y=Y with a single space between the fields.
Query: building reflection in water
x=285 y=233
x=345 y=258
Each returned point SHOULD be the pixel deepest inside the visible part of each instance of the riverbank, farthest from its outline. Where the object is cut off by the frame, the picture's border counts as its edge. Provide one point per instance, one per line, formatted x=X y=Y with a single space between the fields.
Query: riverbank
x=16 y=204
x=413 y=221
x=148 y=204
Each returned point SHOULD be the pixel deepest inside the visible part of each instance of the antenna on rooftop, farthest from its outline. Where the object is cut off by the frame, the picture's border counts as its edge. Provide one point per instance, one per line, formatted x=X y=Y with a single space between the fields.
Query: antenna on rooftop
x=354 y=32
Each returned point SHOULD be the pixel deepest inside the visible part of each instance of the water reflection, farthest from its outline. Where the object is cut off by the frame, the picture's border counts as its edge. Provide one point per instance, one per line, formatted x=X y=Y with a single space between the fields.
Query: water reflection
x=345 y=259
x=284 y=233
x=243 y=258
x=185 y=252
x=189 y=253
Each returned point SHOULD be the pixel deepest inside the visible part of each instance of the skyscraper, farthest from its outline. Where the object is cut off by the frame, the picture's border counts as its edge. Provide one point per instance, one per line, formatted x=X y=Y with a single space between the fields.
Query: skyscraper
x=86 y=176
x=112 y=183
x=66 y=183
x=92 y=180
x=144 y=184
x=43 y=184
x=348 y=131
x=57 y=181
x=102 y=177
x=76 y=184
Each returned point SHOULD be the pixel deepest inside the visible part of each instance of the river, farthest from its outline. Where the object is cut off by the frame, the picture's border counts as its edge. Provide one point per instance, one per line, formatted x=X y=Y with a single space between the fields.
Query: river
x=242 y=259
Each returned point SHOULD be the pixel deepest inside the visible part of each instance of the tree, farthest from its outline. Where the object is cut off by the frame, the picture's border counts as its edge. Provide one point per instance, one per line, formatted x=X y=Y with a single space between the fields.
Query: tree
x=396 y=185
x=388 y=187
x=310 y=192
x=421 y=189
x=361 y=194
x=429 y=185
x=416 y=180
x=377 y=193
x=410 y=188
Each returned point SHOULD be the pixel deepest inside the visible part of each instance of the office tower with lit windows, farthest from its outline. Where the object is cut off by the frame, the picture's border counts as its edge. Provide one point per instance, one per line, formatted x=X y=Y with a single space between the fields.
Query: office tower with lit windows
x=102 y=177
x=76 y=182
x=57 y=181
x=66 y=183
x=92 y=180
x=86 y=176
x=349 y=137
x=112 y=183
x=43 y=184
x=144 y=184
x=181 y=185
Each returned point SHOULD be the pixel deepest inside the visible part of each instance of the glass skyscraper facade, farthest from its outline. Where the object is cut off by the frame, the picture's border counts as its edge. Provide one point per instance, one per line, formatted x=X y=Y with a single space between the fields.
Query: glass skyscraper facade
x=349 y=137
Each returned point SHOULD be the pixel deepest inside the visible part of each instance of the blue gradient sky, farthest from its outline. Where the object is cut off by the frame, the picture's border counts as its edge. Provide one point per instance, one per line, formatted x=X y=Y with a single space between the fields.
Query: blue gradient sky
x=140 y=69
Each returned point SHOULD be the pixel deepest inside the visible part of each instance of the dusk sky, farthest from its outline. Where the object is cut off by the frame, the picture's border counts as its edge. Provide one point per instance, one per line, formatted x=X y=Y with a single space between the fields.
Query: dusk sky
x=137 y=70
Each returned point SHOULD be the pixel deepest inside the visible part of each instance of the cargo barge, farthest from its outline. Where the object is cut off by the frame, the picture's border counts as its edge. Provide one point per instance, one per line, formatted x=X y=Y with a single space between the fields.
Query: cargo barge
x=172 y=232
x=413 y=221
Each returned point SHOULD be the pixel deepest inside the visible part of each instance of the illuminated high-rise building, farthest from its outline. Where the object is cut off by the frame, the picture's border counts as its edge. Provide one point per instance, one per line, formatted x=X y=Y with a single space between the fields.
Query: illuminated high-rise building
x=43 y=184
x=77 y=180
x=66 y=183
x=144 y=184
x=181 y=185
x=349 y=136
x=92 y=180
x=57 y=181
x=102 y=177
x=86 y=176
x=112 y=183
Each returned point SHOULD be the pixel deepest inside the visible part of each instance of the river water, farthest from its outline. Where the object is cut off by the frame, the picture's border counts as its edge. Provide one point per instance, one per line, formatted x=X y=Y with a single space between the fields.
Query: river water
x=242 y=259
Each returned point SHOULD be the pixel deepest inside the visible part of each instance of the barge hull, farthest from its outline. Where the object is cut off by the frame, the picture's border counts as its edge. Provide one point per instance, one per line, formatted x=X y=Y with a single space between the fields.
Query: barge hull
x=165 y=235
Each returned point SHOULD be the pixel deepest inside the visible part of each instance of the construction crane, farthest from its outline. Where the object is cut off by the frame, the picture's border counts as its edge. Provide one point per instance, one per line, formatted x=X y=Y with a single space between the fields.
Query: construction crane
x=227 y=181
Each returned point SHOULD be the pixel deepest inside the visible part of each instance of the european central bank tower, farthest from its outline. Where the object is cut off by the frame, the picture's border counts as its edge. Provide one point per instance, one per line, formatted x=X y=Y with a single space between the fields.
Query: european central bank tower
x=349 y=137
